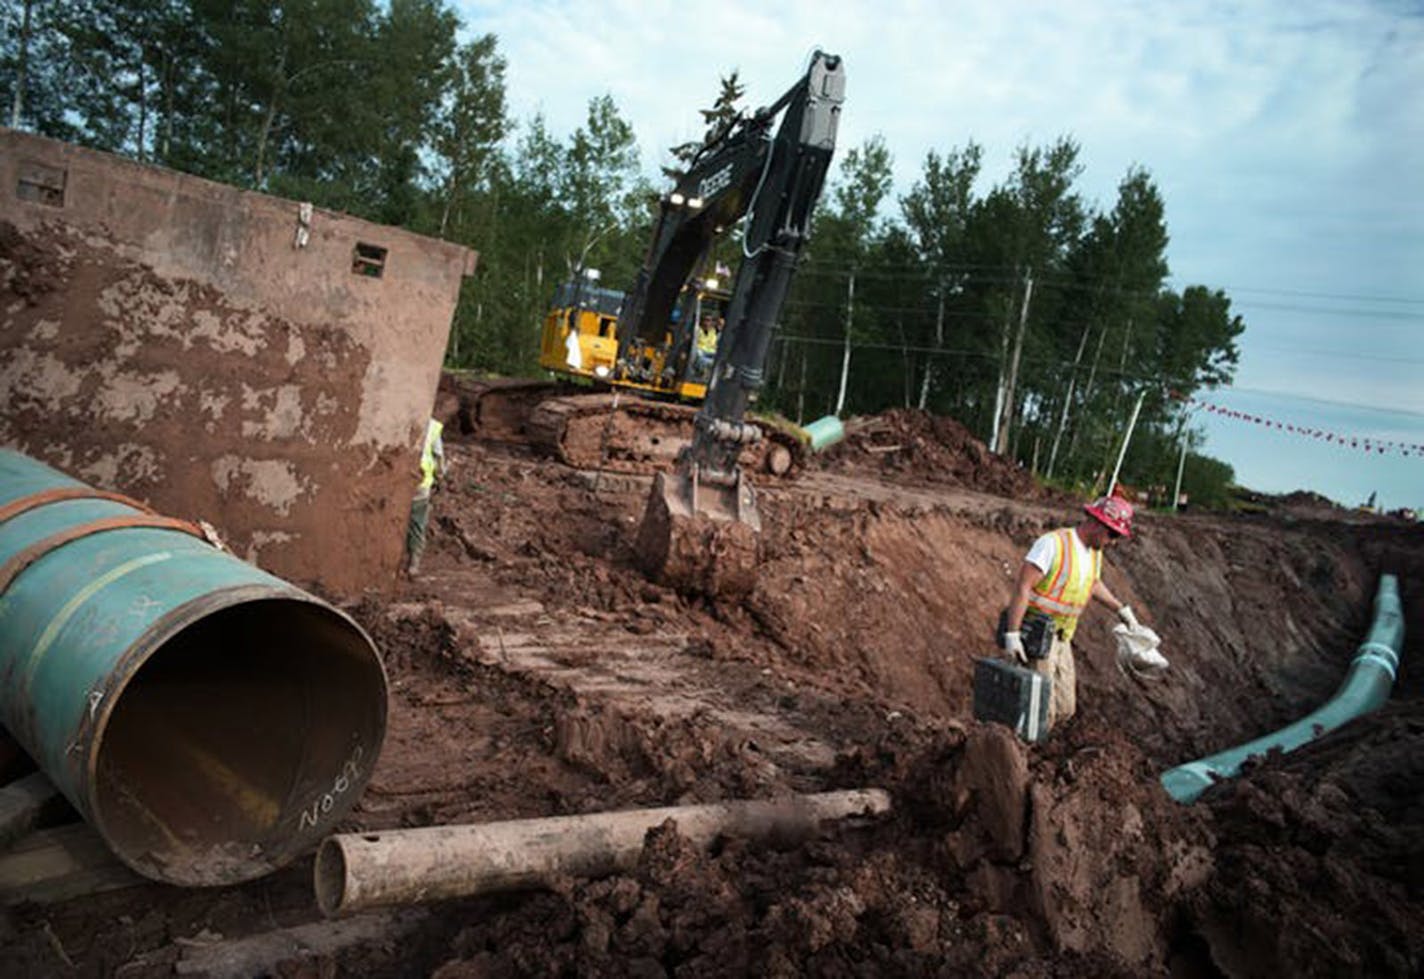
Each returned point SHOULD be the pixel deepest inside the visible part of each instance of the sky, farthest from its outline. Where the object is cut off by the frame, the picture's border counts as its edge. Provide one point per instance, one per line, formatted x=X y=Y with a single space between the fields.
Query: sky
x=1286 y=138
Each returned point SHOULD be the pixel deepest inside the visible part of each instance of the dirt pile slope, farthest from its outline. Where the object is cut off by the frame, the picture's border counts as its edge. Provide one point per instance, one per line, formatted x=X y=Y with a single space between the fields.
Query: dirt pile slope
x=908 y=445
x=535 y=672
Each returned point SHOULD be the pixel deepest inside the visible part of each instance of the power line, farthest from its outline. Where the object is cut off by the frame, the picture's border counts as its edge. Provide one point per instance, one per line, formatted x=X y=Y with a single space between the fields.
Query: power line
x=1166 y=383
x=1292 y=396
x=1339 y=296
x=1008 y=275
x=983 y=317
x=1340 y=354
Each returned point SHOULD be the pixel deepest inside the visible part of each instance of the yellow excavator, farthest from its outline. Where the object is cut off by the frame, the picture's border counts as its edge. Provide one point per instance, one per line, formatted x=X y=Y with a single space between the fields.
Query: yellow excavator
x=701 y=526
x=580 y=340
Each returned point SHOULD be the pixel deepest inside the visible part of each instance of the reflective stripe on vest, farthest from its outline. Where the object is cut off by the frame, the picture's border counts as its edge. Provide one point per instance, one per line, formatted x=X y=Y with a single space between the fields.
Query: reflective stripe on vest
x=427 y=454
x=1063 y=591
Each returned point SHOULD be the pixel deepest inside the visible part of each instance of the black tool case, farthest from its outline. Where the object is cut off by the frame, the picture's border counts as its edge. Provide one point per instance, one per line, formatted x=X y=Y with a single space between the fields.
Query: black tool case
x=1012 y=695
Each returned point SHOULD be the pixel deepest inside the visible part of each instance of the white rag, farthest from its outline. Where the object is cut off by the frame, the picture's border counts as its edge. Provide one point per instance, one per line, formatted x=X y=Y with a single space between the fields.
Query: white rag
x=1137 y=651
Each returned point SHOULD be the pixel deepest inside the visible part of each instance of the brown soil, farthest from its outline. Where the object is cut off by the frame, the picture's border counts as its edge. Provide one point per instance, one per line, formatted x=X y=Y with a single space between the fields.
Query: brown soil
x=536 y=672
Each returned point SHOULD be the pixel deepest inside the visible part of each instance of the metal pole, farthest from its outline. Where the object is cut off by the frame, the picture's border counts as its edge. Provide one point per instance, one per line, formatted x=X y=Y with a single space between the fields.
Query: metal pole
x=1125 y=440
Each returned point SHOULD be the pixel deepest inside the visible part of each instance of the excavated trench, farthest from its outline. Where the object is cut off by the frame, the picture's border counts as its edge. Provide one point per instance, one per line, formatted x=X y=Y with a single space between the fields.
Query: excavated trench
x=535 y=672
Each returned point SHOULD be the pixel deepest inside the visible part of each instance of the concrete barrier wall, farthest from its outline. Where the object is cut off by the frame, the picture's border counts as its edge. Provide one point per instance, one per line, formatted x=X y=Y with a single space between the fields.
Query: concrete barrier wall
x=221 y=354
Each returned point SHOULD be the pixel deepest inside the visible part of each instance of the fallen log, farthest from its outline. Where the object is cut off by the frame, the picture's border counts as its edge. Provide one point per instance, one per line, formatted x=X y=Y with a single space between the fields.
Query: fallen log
x=364 y=870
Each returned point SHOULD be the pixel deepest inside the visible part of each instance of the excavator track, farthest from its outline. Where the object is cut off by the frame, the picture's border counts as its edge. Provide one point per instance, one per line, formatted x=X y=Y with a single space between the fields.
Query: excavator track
x=621 y=432
x=498 y=409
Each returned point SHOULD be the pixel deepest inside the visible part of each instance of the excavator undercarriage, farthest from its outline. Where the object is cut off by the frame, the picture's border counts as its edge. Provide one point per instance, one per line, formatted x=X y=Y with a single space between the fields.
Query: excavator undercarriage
x=612 y=430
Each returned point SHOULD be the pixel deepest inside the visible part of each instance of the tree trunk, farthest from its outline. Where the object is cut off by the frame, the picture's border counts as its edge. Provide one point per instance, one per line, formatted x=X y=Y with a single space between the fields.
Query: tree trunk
x=450 y=191
x=931 y=363
x=142 y=154
x=17 y=104
x=906 y=363
x=1010 y=384
x=166 y=141
x=1067 y=401
x=999 y=388
x=1088 y=388
x=268 y=118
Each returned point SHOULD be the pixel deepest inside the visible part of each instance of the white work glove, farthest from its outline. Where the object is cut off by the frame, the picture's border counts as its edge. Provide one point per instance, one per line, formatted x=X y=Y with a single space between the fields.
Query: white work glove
x=1013 y=645
x=1129 y=617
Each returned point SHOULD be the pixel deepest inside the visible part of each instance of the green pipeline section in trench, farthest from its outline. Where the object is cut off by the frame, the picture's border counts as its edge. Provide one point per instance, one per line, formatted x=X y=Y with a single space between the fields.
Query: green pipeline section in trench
x=1367 y=686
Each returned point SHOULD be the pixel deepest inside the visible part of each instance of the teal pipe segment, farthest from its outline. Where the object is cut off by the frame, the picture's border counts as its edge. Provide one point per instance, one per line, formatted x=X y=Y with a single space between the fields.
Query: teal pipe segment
x=824 y=433
x=1367 y=686
x=211 y=721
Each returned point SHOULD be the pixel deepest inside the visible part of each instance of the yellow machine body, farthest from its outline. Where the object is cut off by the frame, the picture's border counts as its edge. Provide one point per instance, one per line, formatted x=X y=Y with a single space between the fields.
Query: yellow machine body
x=654 y=367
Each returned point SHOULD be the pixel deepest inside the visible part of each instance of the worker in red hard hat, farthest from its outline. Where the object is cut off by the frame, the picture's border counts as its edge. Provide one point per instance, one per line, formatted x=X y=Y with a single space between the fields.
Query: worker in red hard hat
x=1060 y=574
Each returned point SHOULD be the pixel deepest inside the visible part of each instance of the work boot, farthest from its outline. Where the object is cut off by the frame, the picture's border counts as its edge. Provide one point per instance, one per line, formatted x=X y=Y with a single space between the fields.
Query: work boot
x=412 y=568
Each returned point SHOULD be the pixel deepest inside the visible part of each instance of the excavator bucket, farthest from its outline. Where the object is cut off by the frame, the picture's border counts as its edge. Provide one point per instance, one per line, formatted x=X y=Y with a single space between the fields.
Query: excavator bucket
x=700 y=537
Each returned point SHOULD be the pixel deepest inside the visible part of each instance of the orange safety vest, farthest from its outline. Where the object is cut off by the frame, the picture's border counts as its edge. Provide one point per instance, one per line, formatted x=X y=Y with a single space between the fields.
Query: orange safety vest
x=1065 y=588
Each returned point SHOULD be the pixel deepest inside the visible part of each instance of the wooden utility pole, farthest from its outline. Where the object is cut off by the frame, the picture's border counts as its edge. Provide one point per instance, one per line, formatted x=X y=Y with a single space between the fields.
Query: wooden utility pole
x=17 y=104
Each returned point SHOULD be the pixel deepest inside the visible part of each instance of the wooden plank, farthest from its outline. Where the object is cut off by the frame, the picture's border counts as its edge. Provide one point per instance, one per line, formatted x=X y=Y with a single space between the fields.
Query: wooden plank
x=260 y=955
x=24 y=803
x=61 y=863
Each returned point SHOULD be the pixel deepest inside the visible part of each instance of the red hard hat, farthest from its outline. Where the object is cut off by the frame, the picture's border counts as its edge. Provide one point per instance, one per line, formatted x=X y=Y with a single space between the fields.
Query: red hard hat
x=1113 y=512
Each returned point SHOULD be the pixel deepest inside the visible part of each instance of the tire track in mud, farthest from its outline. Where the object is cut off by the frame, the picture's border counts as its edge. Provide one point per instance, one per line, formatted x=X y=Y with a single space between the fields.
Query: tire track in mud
x=586 y=713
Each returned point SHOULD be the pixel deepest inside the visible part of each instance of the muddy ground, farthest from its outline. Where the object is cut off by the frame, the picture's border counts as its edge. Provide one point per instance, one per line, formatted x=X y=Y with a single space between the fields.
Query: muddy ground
x=535 y=672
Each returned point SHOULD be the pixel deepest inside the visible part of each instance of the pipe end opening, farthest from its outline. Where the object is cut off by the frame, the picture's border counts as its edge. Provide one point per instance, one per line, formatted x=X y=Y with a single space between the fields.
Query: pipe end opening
x=239 y=741
x=329 y=877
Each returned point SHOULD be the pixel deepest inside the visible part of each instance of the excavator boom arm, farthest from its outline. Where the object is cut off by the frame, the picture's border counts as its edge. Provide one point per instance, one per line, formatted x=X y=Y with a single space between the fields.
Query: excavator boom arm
x=700 y=530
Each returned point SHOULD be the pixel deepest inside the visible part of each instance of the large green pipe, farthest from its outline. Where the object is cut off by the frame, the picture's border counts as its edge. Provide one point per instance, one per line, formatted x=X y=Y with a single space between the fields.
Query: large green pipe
x=209 y=720
x=1366 y=688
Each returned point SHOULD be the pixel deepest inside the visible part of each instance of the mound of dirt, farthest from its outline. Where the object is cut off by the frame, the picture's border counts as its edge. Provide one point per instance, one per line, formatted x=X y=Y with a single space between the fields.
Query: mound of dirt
x=32 y=271
x=906 y=444
x=535 y=672
x=1320 y=857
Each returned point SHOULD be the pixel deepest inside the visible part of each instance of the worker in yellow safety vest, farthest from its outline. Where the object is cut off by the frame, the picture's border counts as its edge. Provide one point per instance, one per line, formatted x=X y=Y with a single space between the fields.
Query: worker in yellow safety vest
x=707 y=334
x=432 y=468
x=1060 y=574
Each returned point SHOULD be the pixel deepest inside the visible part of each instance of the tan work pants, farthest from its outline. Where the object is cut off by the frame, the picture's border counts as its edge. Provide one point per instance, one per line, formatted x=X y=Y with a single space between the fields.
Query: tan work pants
x=1058 y=667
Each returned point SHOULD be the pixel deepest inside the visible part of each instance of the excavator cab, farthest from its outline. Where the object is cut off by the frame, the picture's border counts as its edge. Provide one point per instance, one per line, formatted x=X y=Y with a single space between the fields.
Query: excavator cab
x=580 y=333
x=580 y=339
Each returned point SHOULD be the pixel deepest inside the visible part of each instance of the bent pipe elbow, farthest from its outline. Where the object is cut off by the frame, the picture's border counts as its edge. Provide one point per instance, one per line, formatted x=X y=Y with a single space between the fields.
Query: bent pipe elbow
x=1366 y=687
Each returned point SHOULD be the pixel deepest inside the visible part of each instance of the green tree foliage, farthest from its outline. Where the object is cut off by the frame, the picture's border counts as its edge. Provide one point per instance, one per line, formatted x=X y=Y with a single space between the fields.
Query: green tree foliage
x=718 y=120
x=34 y=57
x=470 y=126
x=941 y=318
x=1018 y=301
x=602 y=190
